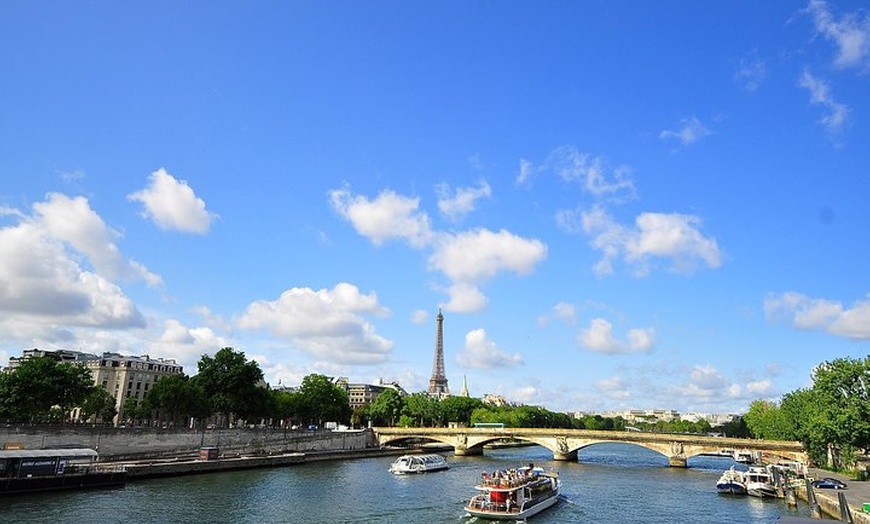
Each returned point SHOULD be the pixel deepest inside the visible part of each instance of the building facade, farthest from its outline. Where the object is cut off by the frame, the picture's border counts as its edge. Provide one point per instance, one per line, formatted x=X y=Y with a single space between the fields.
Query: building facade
x=359 y=394
x=129 y=377
x=124 y=377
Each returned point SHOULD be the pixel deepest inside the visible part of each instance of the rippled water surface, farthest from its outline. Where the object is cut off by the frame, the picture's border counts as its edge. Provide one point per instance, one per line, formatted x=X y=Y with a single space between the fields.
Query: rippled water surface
x=609 y=483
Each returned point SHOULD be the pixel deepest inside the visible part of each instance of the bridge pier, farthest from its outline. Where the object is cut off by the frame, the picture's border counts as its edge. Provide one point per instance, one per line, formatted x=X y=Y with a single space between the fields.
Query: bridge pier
x=566 y=457
x=678 y=462
x=467 y=452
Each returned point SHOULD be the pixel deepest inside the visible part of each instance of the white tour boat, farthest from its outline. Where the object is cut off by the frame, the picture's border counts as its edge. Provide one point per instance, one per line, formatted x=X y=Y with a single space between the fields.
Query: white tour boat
x=418 y=464
x=514 y=494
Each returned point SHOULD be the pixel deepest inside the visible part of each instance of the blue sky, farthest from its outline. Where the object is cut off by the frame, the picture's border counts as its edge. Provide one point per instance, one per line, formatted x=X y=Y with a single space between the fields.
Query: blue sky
x=616 y=204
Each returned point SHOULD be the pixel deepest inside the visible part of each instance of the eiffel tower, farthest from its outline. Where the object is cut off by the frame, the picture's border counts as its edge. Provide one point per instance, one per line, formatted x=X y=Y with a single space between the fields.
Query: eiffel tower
x=438 y=382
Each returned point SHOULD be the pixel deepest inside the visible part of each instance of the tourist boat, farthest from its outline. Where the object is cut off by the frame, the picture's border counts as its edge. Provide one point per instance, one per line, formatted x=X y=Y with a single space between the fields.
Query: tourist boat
x=514 y=494
x=418 y=464
x=759 y=482
x=732 y=482
x=30 y=470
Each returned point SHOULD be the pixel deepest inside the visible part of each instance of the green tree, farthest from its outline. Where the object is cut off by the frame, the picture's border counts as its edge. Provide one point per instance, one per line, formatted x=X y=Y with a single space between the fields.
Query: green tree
x=421 y=409
x=229 y=382
x=766 y=420
x=458 y=409
x=324 y=401
x=490 y=415
x=75 y=384
x=134 y=411
x=261 y=406
x=44 y=390
x=360 y=416
x=841 y=389
x=387 y=408
x=291 y=408
x=803 y=410
x=100 y=405
x=8 y=409
x=175 y=398
x=735 y=428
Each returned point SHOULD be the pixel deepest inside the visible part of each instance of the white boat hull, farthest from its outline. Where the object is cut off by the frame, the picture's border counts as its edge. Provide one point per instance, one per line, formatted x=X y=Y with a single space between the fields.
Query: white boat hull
x=732 y=483
x=732 y=488
x=759 y=489
x=411 y=464
x=514 y=515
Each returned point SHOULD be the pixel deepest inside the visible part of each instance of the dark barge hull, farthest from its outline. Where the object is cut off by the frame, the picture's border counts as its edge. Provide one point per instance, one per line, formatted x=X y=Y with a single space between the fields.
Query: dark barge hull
x=16 y=486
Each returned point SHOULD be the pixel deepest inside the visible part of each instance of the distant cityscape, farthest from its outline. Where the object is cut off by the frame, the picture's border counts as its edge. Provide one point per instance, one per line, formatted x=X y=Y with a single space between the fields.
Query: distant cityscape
x=131 y=377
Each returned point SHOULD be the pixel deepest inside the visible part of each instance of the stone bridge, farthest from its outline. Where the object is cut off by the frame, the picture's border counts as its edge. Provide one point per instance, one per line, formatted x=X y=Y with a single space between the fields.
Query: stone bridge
x=565 y=443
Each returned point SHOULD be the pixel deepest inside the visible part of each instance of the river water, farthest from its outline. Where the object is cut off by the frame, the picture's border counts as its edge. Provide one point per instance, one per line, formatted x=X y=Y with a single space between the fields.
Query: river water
x=617 y=483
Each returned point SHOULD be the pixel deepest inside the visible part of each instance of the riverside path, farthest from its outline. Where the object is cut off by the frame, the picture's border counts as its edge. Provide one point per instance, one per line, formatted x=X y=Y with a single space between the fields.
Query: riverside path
x=565 y=443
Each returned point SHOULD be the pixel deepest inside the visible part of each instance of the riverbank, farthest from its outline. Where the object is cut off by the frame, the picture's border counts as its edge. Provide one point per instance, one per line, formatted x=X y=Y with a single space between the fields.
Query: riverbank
x=148 y=469
x=144 y=443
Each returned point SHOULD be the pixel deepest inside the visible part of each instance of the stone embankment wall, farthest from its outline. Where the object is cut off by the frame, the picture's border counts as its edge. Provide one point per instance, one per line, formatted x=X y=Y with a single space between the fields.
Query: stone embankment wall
x=143 y=443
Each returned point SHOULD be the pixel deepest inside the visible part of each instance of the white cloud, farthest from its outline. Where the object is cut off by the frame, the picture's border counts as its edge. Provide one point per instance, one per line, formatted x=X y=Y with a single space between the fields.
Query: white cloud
x=73 y=222
x=565 y=312
x=527 y=170
x=467 y=258
x=327 y=324
x=475 y=256
x=707 y=377
x=689 y=131
x=462 y=201
x=526 y=395
x=593 y=173
x=674 y=237
x=172 y=204
x=600 y=339
x=759 y=387
x=708 y=386
x=481 y=353
x=387 y=217
x=615 y=388
x=821 y=314
x=820 y=94
x=479 y=254
x=59 y=267
x=850 y=34
x=419 y=316
x=185 y=344
x=465 y=298
x=751 y=72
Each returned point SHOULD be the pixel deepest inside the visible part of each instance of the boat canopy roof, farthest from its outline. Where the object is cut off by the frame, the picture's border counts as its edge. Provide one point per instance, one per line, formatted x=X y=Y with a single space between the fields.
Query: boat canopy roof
x=40 y=453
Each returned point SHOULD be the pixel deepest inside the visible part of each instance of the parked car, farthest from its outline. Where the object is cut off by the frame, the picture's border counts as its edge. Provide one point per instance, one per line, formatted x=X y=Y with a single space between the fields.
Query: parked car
x=829 y=483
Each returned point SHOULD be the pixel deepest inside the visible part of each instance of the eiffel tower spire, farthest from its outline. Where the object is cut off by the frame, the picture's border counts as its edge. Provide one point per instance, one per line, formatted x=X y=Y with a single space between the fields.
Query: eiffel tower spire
x=438 y=382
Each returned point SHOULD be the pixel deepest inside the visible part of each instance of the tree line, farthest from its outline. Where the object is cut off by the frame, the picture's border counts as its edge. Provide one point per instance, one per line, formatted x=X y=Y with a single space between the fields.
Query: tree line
x=422 y=410
x=831 y=418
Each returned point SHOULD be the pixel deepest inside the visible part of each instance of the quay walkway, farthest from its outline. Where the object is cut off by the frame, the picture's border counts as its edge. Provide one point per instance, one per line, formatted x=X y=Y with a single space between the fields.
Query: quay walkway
x=857 y=494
